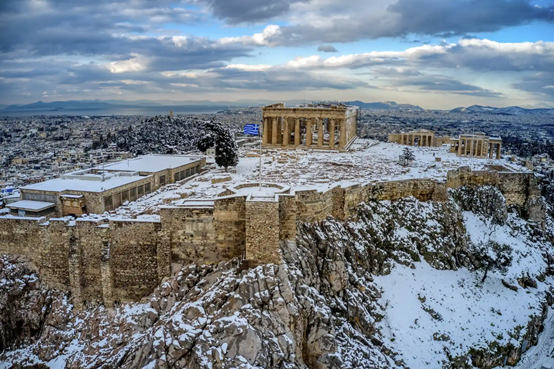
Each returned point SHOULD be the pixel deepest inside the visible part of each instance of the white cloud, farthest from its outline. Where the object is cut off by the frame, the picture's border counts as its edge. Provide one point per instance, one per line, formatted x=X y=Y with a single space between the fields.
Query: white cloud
x=257 y=39
x=136 y=64
x=248 y=67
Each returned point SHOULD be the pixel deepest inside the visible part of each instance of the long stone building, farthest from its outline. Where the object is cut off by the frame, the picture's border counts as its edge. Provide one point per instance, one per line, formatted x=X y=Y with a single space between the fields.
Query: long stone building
x=477 y=145
x=106 y=187
x=331 y=127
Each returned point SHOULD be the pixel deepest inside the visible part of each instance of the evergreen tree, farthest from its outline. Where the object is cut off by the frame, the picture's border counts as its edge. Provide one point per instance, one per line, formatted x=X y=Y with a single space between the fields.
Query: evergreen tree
x=408 y=154
x=226 y=150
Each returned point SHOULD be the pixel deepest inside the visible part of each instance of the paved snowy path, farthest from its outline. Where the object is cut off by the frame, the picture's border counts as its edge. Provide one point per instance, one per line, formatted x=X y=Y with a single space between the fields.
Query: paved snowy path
x=539 y=355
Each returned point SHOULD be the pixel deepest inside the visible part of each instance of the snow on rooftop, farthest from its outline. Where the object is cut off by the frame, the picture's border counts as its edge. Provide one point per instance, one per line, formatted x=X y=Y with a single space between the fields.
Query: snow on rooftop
x=83 y=185
x=151 y=163
x=31 y=205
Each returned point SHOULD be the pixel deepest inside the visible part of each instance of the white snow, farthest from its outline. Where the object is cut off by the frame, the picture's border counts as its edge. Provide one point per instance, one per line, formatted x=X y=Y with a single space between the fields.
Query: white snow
x=430 y=310
x=31 y=205
x=75 y=184
x=151 y=163
x=308 y=170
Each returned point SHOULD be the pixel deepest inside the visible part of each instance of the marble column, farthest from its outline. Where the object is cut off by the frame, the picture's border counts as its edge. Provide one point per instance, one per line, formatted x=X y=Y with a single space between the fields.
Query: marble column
x=498 y=152
x=320 y=132
x=331 y=133
x=297 y=132
x=274 y=131
x=309 y=138
x=280 y=130
x=342 y=134
x=265 y=130
x=471 y=147
x=491 y=150
x=286 y=136
x=460 y=147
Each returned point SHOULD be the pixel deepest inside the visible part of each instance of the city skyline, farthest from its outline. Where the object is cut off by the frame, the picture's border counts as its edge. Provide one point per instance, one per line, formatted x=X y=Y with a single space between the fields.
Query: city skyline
x=455 y=53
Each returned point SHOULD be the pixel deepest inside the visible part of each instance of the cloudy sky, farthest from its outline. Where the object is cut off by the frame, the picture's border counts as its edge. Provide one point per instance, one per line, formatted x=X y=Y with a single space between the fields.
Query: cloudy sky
x=434 y=53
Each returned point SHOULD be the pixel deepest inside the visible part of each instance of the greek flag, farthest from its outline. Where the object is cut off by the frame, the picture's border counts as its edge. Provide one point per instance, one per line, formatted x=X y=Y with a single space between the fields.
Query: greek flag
x=251 y=129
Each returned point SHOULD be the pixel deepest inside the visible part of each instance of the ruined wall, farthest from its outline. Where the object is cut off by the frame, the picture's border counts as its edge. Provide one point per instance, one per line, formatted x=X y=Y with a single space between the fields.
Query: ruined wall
x=464 y=176
x=518 y=188
x=395 y=137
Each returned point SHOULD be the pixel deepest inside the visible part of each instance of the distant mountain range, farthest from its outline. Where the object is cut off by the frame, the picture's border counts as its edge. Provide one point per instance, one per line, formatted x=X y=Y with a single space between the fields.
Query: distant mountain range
x=387 y=105
x=99 y=104
x=510 y=110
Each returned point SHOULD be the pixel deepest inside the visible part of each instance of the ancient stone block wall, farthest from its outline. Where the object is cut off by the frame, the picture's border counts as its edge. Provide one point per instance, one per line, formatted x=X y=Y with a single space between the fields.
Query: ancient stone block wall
x=395 y=137
x=287 y=217
x=21 y=236
x=191 y=234
x=54 y=253
x=90 y=250
x=464 y=176
x=133 y=259
x=262 y=232
x=421 y=189
x=313 y=206
x=518 y=187
x=229 y=226
x=101 y=261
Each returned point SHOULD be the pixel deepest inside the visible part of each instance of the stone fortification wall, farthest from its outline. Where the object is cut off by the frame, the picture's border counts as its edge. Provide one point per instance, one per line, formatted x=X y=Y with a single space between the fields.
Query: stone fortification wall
x=20 y=236
x=191 y=234
x=262 y=231
x=230 y=226
x=287 y=217
x=110 y=261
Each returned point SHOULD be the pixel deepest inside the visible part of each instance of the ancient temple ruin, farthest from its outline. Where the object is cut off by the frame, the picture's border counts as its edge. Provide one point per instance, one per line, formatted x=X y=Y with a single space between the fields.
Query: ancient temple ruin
x=418 y=137
x=331 y=127
x=476 y=145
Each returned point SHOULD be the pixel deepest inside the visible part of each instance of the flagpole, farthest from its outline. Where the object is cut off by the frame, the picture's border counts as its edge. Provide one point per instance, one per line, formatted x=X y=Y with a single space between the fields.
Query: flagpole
x=260 y=170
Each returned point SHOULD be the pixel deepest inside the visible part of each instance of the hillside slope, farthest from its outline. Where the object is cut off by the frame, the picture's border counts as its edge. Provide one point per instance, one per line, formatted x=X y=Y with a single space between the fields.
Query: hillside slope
x=397 y=286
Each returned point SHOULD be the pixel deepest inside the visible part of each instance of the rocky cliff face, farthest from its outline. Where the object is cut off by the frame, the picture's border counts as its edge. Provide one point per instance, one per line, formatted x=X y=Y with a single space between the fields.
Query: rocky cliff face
x=336 y=302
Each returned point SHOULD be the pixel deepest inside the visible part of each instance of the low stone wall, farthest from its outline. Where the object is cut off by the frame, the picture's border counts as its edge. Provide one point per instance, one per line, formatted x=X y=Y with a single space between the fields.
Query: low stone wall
x=110 y=261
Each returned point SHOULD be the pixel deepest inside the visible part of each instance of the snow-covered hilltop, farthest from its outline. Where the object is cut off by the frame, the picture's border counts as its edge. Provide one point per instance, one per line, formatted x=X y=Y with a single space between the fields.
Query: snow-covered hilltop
x=464 y=282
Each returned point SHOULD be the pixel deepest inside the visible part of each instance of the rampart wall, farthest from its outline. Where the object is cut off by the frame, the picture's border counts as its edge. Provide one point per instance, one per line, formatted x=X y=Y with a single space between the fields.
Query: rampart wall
x=107 y=261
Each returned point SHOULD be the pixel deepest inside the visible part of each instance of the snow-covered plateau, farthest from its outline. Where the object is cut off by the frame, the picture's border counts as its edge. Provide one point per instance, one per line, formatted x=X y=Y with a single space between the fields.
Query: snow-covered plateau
x=402 y=284
x=368 y=161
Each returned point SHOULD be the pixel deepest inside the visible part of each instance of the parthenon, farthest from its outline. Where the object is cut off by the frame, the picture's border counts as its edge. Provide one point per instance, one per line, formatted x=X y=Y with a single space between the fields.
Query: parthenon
x=476 y=145
x=326 y=127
